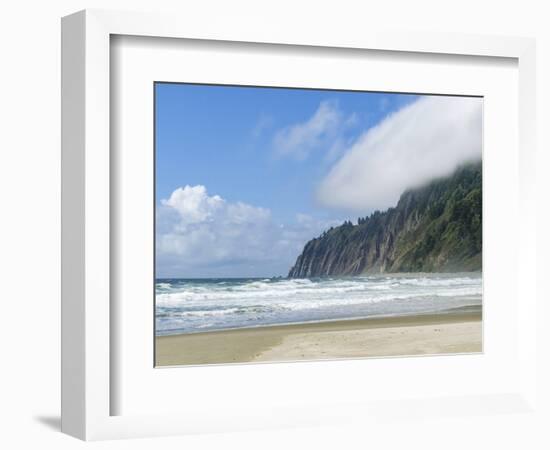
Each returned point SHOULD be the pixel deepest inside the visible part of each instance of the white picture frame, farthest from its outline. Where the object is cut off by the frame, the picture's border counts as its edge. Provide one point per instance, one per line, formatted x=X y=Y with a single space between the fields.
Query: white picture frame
x=87 y=329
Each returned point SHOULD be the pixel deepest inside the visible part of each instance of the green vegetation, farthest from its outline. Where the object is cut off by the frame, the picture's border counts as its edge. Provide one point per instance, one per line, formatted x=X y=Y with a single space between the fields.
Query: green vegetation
x=434 y=228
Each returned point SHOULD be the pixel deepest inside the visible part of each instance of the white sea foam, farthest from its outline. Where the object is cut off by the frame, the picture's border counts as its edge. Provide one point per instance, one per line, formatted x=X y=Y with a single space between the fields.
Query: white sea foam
x=188 y=305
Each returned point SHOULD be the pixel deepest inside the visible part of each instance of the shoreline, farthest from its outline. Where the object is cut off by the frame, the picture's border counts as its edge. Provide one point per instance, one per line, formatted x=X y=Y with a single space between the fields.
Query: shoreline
x=457 y=310
x=450 y=331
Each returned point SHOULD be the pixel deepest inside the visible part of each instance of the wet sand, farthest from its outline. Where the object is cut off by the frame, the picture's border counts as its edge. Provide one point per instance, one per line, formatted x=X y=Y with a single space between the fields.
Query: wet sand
x=450 y=332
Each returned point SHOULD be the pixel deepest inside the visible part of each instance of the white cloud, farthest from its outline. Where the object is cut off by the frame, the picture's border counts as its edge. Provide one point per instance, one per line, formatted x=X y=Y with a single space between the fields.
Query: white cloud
x=320 y=131
x=421 y=141
x=206 y=236
x=194 y=204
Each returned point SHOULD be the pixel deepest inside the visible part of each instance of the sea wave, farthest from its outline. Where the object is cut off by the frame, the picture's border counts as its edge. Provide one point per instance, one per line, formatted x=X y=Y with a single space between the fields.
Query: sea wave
x=191 y=305
x=368 y=290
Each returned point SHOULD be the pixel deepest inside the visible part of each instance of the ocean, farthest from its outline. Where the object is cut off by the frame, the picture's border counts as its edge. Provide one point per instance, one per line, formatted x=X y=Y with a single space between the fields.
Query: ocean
x=198 y=305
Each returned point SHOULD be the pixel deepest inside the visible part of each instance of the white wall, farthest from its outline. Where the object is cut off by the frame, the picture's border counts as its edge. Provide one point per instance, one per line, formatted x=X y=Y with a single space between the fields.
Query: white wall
x=29 y=235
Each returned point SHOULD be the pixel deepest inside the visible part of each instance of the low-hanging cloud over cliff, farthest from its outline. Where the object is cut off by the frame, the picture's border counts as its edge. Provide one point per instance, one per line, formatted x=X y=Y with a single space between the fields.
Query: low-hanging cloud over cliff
x=422 y=141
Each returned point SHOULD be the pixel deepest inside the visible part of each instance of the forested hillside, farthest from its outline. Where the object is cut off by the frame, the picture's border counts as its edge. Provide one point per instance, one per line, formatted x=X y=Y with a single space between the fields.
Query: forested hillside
x=434 y=228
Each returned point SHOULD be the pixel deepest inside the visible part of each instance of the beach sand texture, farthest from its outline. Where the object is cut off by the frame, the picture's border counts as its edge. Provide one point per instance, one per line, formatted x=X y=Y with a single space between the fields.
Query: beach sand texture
x=456 y=332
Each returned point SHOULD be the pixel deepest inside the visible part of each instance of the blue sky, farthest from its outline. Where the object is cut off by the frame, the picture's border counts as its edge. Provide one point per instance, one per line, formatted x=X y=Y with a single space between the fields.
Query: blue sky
x=263 y=168
x=223 y=137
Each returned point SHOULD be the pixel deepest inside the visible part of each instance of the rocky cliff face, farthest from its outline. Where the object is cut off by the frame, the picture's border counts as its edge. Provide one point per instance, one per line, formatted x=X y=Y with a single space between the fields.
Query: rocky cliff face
x=435 y=228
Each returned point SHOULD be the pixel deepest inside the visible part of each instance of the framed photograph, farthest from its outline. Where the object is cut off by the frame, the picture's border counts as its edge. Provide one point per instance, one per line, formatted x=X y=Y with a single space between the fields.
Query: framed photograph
x=273 y=265
x=268 y=229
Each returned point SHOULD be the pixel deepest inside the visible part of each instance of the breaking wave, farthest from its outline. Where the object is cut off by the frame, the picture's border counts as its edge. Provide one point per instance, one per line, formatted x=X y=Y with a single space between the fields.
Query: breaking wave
x=185 y=305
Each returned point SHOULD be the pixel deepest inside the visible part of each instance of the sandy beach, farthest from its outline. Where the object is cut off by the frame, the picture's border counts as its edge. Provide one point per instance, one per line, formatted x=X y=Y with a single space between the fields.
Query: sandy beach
x=451 y=332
